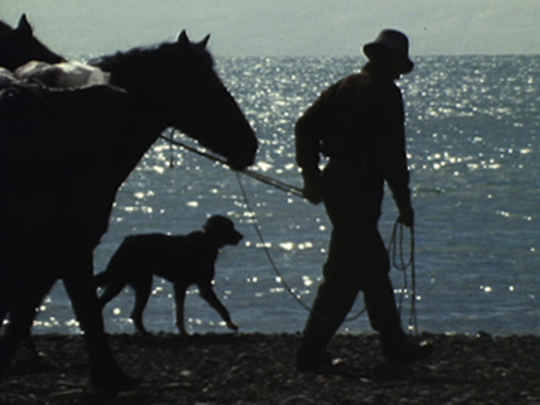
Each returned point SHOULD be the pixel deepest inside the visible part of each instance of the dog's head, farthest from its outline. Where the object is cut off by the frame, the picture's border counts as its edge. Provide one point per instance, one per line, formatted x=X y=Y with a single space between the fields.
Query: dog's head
x=222 y=230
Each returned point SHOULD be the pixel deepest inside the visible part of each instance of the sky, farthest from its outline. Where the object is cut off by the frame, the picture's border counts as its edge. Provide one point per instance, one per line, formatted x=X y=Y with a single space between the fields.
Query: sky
x=283 y=27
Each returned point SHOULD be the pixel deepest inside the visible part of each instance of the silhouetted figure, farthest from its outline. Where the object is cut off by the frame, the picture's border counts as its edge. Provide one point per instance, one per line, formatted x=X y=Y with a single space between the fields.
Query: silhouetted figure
x=65 y=153
x=358 y=123
x=183 y=260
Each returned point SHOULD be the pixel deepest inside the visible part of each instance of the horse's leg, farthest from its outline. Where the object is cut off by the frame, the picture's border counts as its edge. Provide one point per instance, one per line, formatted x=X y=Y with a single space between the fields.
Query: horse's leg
x=111 y=290
x=4 y=305
x=22 y=303
x=105 y=373
x=6 y=287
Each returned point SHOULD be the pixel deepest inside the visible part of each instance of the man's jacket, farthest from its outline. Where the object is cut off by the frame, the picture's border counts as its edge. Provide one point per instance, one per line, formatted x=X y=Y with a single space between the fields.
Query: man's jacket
x=359 y=119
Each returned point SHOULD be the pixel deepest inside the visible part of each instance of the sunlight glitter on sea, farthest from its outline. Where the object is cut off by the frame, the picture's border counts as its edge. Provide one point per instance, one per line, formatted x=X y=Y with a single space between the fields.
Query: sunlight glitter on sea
x=472 y=136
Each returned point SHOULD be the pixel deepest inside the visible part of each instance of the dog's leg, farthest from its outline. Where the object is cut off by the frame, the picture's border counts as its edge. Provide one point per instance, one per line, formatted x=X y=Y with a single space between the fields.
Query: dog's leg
x=106 y=375
x=208 y=294
x=142 y=287
x=180 y=299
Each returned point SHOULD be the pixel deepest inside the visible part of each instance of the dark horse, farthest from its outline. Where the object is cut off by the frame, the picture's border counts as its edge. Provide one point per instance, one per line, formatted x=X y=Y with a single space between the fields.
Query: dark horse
x=19 y=45
x=66 y=153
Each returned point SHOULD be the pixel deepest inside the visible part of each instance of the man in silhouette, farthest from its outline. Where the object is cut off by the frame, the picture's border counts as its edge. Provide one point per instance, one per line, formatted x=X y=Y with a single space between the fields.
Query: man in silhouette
x=358 y=123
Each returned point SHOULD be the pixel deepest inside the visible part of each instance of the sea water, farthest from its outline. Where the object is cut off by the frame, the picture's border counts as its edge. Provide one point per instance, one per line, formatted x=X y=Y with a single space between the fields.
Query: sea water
x=474 y=156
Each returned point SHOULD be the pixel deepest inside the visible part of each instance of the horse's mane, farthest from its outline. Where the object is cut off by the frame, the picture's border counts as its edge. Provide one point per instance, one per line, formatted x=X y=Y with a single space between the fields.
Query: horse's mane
x=148 y=53
x=5 y=28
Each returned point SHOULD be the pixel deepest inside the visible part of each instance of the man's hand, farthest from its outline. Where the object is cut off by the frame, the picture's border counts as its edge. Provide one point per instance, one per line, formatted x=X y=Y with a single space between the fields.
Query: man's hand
x=406 y=217
x=312 y=193
x=312 y=186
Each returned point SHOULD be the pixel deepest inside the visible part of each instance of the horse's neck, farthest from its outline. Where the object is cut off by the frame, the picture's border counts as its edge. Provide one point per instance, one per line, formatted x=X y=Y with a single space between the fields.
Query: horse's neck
x=123 y=69
x=120 y=66
x=4 y=28
x=148 y=127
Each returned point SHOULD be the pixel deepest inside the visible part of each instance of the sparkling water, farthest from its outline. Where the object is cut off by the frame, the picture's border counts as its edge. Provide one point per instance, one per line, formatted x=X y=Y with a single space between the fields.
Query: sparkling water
x=473 y=147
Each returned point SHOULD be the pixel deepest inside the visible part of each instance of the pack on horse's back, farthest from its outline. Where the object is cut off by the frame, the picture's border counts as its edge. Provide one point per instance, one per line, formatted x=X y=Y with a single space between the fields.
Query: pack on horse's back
x=62 y=75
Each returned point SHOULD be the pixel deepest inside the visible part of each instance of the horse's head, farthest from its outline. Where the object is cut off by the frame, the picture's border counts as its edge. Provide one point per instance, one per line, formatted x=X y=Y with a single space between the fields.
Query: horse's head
x=208 y=111
x=19 y=45
x=177 y=80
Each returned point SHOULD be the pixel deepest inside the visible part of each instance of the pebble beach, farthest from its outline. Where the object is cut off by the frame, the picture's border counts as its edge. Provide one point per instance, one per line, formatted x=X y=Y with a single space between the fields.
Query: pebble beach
x=242 y=369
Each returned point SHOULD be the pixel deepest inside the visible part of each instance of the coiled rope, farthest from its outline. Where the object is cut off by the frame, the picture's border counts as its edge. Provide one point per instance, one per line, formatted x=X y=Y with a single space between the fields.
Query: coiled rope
x=397 y=254
x=395 y=246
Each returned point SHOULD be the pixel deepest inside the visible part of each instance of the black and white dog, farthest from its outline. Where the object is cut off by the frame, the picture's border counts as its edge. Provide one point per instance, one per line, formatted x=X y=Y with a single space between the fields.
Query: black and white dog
x=181 y=259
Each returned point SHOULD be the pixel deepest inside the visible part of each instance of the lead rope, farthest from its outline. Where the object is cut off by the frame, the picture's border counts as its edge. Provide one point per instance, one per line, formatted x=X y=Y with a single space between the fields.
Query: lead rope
x=265 y=247
x=392 y=247
x=257 y=176
x=272 y=263
x=171 y=151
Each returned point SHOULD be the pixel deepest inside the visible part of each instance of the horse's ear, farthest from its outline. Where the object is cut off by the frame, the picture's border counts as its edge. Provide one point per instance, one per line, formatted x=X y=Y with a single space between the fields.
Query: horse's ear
x=24 y=26
x=183 y=38
x=204 y=42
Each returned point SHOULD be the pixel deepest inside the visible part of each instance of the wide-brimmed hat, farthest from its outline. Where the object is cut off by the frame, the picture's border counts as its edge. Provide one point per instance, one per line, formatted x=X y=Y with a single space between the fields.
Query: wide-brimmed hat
x=390 y=43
